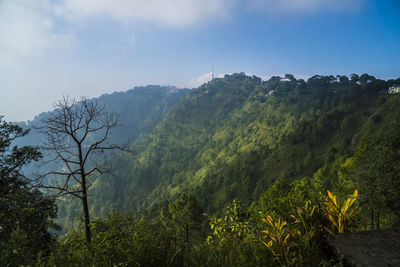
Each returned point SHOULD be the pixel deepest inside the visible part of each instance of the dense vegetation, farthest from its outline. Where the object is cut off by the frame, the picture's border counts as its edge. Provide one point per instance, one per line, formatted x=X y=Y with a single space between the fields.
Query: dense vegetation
x=237 y=173
x=234 y=137
x=26 y=214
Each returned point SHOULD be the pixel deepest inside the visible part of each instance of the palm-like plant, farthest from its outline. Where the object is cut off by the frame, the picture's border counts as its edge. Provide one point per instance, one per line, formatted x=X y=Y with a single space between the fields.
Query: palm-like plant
x=278 y=235
x=340 y=214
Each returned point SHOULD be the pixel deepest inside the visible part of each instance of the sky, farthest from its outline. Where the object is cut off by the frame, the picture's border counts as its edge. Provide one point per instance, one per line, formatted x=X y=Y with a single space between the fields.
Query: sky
x=55 y=48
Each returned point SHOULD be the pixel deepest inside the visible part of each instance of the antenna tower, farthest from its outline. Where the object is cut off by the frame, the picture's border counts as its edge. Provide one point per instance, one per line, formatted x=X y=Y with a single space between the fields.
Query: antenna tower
x=212 y=73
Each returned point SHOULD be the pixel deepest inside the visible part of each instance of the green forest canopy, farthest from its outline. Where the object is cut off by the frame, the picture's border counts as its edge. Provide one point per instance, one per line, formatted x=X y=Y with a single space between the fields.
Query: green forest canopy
x=236 y=136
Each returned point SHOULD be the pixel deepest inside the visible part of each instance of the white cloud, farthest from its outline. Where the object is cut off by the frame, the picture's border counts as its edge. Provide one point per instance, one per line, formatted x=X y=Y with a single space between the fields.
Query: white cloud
x=196 y=82
x=173 y=13
x=204 y=78
x=27 y=30
x=285 y=7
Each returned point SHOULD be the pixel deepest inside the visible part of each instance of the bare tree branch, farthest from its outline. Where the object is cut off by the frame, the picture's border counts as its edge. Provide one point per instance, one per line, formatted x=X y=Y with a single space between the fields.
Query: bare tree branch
x=76 y=132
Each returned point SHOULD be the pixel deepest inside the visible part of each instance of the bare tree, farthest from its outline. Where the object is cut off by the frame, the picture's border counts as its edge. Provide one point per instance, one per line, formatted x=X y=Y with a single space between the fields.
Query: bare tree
x=77 y=137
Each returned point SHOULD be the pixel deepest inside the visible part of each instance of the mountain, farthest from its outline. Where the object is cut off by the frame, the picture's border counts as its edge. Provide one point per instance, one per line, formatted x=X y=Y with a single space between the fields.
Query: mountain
x=235 y=136
x=296 y=154
x=139 y=110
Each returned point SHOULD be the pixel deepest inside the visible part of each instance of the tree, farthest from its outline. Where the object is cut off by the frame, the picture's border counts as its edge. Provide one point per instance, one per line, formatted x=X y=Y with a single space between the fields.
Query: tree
x=354 y=78
x=342 y=79
x=182 y=221
x=77 y=137
x=13 y=158
x=25 y=213
x=374 y=169
x=365 y=79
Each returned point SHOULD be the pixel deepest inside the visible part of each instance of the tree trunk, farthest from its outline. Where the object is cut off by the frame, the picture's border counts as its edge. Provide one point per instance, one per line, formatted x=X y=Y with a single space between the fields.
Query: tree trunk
x=187 y=237
x=84 y=196
x=377 y=220
x=86 y=211
x=187 y=245
x=372 y=218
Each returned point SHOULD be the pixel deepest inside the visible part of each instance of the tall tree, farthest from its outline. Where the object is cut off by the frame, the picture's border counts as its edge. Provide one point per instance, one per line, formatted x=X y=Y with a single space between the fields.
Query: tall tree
x=25 y=213
x=182 y=222
x=77 y=138
x=374 y=168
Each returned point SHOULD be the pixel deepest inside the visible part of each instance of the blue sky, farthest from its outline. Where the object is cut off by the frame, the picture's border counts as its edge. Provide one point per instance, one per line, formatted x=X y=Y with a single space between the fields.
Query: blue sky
x=51 y=48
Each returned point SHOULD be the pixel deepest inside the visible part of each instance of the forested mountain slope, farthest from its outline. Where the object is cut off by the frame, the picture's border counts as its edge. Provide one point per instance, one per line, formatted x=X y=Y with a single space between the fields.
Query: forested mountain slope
x=139 y=110
x=233 y=137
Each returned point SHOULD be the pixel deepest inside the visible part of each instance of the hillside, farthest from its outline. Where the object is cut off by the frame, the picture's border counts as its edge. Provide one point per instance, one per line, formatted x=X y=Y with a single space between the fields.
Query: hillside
x=235 y=164
x=139 y=110
x=235 y=136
